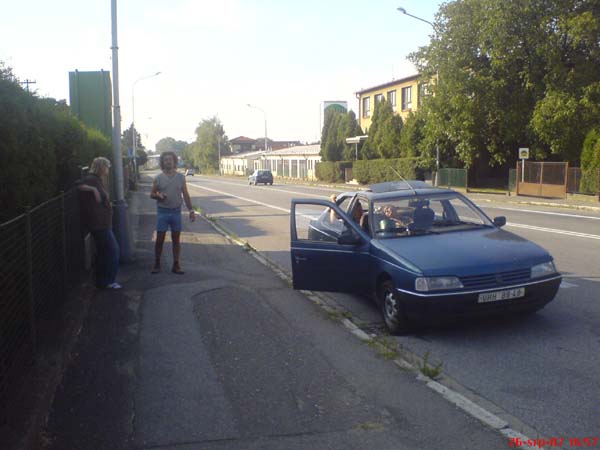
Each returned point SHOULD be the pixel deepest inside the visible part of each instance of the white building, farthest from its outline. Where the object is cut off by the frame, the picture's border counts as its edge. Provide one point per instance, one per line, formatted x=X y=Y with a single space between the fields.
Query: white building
x=292 y=162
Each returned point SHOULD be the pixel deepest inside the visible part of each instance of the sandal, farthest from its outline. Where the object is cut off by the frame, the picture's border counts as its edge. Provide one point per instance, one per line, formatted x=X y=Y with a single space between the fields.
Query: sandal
x=155 y=269
x=176 y=269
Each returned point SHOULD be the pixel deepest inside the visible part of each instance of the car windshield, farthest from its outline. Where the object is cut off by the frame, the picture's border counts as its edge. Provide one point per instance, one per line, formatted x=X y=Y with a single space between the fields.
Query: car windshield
x=411 y=216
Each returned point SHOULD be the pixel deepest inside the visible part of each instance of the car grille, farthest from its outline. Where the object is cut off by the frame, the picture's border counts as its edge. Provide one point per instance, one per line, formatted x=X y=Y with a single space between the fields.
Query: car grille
x=496 y=279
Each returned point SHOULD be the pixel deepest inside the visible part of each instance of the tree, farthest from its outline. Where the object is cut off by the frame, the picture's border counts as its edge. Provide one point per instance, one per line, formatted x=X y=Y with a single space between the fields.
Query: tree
x=511 y=74
x=384 y=134
x=169 y=144
x=127 y=141
x=204 y=152
x=337 y=127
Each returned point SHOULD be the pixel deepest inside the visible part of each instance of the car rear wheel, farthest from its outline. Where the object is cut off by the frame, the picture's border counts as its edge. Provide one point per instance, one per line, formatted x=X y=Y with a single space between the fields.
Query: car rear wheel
x=391 y=309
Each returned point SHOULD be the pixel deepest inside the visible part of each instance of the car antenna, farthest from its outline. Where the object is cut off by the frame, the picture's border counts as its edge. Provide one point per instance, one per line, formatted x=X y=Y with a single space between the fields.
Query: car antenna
x=404 y=179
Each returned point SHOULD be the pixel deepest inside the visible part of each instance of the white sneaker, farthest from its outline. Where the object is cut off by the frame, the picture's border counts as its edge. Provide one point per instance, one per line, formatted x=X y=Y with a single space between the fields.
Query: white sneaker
x=114 y=286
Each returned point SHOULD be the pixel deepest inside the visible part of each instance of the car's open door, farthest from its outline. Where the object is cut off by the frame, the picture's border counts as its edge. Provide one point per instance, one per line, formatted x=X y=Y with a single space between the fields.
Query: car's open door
x=329 y=251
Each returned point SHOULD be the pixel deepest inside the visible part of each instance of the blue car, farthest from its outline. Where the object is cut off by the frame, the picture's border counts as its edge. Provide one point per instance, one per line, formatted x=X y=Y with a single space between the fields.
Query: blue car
x=425 y=254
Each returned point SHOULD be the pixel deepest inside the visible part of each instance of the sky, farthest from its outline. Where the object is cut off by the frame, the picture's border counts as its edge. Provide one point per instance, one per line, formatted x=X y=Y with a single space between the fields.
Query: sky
x=216 y=57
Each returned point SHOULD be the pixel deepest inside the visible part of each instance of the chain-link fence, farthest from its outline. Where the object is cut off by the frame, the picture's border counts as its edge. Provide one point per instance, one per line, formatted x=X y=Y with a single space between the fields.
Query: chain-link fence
x=41 y=255
x=583 y=182
x=452 y=178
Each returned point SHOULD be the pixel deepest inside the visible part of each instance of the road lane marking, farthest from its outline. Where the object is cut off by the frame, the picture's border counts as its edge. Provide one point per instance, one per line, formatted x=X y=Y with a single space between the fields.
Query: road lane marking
x=271 y=188
x=553 y=230
x=566 y=285
x=508 y=224
x=241 y=198
x=577 y=216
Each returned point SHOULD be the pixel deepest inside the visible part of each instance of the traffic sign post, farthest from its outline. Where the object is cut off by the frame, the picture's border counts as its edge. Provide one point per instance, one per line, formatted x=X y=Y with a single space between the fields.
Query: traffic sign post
x=523 y=155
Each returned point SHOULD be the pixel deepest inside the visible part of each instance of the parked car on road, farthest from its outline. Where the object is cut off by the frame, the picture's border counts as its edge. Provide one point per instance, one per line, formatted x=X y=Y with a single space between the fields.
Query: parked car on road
x=425 y=254
x=261 y=176
x=189 y=172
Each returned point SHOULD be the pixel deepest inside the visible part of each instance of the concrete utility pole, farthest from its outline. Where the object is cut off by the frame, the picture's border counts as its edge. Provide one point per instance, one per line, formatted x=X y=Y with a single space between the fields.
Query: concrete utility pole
x=265 y=115
x=120 y=219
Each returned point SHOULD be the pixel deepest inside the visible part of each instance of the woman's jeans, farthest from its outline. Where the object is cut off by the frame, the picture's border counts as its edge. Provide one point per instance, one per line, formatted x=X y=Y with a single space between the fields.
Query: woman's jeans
x=107 y=257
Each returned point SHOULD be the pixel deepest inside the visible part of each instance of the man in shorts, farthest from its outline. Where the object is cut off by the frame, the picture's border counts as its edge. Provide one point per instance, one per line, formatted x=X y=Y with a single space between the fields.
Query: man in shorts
x=170 y=191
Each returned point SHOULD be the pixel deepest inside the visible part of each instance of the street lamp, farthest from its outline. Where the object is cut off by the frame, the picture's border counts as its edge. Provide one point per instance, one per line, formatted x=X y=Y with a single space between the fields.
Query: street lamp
x=133 y=121
x=265 y=114
x=437 y=76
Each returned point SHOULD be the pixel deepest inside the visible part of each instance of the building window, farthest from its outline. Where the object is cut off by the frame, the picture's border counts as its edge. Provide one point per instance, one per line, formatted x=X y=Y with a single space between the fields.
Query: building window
x=366 y=106
x=391 y=96
x=407 y=98
x=378 y=98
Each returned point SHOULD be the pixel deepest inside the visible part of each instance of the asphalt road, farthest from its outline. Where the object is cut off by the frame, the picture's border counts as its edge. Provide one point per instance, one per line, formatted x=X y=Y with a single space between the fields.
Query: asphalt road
x=542 y=369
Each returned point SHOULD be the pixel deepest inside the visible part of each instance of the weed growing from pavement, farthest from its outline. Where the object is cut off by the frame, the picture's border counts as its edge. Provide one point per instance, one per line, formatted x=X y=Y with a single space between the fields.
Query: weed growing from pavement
x=429 y=371
x=385 y=346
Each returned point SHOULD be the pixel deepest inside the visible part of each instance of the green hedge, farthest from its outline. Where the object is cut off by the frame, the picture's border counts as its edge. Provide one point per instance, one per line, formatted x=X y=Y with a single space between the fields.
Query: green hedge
x=41 y=146
x=380 y=170
x=332 y=172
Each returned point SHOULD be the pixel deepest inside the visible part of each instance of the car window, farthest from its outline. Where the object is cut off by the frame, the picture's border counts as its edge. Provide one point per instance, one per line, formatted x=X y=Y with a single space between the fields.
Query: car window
x=314 y=224
x=410 y=216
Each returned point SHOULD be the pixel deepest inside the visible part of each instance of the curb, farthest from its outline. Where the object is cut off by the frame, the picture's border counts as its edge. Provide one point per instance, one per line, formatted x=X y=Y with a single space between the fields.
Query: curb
x=412 y=363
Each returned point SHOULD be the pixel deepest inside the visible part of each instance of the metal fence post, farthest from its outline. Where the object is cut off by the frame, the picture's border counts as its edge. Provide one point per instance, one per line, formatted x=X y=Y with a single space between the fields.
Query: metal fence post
x=29 y=256
x=566 y=177
x=63 y=232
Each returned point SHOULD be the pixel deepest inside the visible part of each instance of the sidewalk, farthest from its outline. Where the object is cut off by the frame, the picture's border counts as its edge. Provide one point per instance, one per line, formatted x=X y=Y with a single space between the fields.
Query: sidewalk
x=227 y=356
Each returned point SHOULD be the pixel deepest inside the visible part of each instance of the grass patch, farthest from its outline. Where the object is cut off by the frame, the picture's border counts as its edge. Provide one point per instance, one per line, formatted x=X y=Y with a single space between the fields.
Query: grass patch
x=428 y=370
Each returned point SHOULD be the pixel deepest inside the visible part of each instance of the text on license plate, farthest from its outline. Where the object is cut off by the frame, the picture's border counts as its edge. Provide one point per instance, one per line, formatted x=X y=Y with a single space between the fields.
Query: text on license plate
x=501 y=295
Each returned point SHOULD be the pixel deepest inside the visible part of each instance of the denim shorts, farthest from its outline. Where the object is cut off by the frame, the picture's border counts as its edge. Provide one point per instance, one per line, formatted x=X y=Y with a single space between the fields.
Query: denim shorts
x=167 y=217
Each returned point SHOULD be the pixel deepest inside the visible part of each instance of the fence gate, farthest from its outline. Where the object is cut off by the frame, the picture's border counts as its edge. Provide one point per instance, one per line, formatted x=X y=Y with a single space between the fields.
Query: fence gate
x=542 y=179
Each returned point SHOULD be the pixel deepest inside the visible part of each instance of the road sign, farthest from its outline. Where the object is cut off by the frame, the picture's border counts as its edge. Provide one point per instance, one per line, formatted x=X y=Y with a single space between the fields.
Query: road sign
x=524 y=153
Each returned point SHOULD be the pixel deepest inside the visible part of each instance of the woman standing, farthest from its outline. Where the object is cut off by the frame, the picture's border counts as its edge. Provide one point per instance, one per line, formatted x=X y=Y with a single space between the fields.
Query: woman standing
x=96 y=211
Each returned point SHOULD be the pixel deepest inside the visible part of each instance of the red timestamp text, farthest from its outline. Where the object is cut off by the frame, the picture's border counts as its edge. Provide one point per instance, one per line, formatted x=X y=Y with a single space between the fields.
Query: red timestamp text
x=573 y=442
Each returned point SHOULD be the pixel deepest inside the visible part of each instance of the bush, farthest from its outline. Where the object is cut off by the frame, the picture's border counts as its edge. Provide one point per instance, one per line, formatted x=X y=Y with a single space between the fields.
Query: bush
x=590 y=163
x=380 y=170
x=332 y=172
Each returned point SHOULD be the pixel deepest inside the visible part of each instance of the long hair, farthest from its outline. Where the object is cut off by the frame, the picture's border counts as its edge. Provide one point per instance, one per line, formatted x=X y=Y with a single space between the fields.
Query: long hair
x=162 y=159
x=98 y=164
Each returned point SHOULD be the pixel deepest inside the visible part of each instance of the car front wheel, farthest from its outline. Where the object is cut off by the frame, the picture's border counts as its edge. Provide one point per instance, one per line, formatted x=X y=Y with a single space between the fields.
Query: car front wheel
x=391 y=309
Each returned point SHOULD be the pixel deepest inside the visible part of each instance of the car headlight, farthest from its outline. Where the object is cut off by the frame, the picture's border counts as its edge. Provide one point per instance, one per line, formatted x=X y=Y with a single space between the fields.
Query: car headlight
x=425 y=284
x=542 y=270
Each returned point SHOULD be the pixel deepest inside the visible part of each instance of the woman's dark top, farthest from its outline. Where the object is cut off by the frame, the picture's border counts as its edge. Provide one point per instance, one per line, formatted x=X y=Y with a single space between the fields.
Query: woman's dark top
x=96 y=216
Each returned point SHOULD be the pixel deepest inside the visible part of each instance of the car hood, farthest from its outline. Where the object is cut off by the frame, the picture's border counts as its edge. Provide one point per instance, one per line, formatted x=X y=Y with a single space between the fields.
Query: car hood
x=464 y=253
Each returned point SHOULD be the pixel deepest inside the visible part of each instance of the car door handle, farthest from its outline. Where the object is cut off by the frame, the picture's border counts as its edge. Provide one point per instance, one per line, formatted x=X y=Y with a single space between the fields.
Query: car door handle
x=300 y=258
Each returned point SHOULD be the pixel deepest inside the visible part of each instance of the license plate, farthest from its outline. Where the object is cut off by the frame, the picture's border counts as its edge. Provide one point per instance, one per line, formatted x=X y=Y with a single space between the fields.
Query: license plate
x=501 y=295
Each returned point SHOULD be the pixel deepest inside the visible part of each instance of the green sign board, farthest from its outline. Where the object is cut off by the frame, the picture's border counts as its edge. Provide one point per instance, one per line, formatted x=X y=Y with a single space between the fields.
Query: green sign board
x=91 y=99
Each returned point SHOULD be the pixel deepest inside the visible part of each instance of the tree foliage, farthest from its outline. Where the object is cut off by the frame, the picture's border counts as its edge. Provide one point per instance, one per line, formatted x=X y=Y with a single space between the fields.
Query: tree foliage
x=384 y=134
x=517 y=73
x=169 y=144
x=204 y=151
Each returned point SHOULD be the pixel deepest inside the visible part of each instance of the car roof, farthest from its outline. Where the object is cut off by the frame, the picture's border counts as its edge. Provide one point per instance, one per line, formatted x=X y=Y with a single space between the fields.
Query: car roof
x=395 y=189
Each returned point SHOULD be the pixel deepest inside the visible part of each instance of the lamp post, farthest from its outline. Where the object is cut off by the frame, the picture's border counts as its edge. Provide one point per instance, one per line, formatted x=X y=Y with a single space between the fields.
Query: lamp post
x=437 y=76
x=133 y=122
x=265 y=114
x=120 y=220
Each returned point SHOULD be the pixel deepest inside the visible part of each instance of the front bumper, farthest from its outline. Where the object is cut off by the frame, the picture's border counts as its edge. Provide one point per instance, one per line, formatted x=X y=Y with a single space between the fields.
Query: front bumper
x=456 y=305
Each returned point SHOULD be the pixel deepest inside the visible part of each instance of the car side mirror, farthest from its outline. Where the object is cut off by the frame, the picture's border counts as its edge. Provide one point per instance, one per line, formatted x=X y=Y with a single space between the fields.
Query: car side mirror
x=349 y=238
x=500 y=221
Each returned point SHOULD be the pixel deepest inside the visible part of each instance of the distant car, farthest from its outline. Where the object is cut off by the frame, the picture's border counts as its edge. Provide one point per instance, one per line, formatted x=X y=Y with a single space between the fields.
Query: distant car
x=425 y=254
x=261 y=176
x=189 y=172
